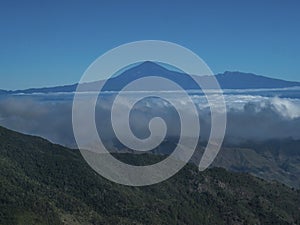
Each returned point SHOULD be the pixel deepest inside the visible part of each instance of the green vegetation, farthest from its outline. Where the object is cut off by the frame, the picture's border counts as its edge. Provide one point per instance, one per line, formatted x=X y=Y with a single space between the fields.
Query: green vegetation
x=43 y=183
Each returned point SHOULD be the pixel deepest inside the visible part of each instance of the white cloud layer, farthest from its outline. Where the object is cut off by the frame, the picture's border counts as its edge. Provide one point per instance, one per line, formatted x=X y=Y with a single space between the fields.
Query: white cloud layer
x=249 y=117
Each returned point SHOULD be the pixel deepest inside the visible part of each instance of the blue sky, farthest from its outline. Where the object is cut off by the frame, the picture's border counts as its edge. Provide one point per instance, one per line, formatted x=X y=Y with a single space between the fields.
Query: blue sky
x=46 y=43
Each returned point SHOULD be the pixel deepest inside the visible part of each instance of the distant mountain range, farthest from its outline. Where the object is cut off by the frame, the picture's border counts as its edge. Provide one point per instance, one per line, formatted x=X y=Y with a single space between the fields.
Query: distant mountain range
x=227 y=80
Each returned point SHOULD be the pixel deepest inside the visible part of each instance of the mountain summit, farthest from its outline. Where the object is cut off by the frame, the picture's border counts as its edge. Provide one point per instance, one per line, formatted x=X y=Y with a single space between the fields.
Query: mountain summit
x=227 y=80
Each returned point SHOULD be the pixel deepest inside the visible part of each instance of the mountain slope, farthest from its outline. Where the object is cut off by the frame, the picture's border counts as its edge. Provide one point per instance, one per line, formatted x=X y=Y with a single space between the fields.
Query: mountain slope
x=3 y=92
x=270 y=160
x=227 y=80
x=43 y=183
x=238 y=80
x=57 y=89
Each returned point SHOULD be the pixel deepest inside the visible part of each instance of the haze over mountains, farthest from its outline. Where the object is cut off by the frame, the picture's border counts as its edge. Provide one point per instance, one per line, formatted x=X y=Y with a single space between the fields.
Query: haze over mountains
x=260 y=116
x=227 y=80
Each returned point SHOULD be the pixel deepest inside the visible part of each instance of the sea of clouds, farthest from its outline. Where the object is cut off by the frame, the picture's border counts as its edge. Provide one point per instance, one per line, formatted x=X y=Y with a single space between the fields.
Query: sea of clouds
x=251 y=115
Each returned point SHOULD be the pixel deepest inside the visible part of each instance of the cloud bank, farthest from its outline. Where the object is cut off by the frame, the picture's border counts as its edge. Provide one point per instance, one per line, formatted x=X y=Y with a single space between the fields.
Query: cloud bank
x=249 y=117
